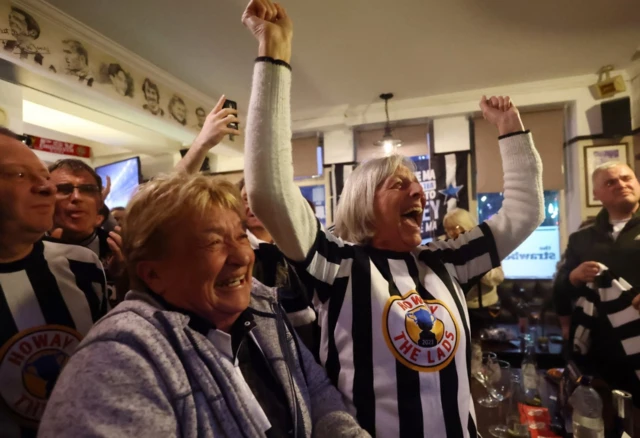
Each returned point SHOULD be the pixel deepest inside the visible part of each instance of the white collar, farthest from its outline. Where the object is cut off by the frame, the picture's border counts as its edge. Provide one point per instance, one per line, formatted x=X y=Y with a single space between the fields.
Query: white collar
x=254 y=241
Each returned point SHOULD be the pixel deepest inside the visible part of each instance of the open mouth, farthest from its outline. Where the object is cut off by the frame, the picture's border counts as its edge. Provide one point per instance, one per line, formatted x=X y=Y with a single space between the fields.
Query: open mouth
x=414 y=215
x=232 y=282
x=76 y=214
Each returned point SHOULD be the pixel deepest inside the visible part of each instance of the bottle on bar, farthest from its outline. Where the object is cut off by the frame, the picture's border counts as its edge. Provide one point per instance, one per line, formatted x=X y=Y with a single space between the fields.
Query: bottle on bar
x=623 y=415
x=530 y=377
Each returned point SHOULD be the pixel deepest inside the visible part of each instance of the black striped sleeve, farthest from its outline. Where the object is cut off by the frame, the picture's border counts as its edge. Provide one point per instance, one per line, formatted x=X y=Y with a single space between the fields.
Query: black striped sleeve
x=470 y=256
x=323 y=261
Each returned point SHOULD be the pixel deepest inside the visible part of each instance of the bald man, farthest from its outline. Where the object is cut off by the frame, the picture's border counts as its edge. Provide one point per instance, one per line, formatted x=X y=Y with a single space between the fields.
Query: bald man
x=50 y=293
x=614 y=238
x=614 y=241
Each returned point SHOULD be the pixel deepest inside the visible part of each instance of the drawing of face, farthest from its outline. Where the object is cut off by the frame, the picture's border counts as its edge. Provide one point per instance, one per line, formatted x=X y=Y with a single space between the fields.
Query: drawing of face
x=201 y=115
x=151 y=96
x=179 y=112
x=20 y=27
x=119 y=81
x=74 y=60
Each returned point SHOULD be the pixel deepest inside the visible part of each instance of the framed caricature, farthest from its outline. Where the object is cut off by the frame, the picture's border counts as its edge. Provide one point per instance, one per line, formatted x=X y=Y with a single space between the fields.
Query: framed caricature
x=595 y=156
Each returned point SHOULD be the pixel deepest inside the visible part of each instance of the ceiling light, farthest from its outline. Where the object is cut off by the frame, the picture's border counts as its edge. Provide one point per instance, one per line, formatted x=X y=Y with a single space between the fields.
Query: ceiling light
x=388 y=142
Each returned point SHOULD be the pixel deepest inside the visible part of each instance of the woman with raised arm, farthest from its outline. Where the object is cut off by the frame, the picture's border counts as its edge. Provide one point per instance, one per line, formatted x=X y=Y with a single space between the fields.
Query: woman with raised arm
x=395 y=332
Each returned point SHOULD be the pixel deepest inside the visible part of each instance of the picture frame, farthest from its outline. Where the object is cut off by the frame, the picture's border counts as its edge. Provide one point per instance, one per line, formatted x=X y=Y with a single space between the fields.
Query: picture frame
x=597 y=155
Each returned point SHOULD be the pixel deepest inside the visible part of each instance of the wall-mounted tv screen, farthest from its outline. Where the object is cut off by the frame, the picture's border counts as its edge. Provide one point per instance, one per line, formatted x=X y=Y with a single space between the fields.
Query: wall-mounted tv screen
x=125 y=177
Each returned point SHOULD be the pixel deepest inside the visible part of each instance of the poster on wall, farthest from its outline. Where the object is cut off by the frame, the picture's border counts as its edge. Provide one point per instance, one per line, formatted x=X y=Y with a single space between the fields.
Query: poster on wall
x=444 y=180
x=595 y=156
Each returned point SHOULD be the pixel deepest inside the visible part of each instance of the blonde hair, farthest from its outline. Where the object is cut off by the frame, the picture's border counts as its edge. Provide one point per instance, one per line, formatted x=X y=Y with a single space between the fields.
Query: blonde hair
x=159 y=205
x=355 y=216
x=461 y=218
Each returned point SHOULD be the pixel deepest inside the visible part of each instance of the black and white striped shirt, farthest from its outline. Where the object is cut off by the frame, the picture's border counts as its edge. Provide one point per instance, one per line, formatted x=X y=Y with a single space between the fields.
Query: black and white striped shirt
x=48 y=302
x=400 y=320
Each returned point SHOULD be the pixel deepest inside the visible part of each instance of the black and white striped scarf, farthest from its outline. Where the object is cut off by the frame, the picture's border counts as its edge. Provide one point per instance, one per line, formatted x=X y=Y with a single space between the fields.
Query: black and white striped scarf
x=607 y=307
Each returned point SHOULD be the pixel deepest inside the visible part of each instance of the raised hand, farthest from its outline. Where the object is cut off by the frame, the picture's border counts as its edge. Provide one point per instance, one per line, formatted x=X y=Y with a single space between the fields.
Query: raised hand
x=116 y=263
x=271 y=26
x=107 y=189
x=501 y=112
x=216 y=125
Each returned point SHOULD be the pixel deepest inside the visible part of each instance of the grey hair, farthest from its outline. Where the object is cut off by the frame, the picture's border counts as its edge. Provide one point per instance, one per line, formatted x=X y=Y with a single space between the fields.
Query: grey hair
x=355 y=216
x=606 y=166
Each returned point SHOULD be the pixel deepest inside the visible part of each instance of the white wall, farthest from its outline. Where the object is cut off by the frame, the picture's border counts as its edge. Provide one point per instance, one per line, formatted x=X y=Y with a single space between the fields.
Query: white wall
x=11 y=104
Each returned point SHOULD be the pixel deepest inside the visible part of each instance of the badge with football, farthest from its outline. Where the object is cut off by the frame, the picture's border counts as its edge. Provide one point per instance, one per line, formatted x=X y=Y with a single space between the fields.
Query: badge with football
x=421 y=334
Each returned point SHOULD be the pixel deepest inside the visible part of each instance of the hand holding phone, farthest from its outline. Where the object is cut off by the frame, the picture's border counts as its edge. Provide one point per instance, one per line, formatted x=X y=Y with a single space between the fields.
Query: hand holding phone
x=231 y=104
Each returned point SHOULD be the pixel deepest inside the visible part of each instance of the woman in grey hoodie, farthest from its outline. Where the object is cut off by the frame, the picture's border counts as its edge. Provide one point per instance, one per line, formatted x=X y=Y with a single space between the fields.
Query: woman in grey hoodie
x=198 y=348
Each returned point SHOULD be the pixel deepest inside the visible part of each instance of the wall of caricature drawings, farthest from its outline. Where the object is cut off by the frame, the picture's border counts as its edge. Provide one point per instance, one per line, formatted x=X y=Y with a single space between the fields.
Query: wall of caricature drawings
x=35 y=40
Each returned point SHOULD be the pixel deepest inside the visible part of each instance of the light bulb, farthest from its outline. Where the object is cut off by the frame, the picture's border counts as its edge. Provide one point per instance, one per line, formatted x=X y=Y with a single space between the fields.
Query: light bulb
x=387 y=146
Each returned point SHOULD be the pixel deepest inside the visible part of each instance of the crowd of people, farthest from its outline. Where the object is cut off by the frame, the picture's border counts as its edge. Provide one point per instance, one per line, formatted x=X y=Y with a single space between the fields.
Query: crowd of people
x=210 y=309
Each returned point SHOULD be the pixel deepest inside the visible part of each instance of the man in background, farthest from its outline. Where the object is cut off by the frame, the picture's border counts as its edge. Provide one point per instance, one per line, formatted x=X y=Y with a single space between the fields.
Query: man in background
x=79 y=199
x=50 y=293
x=118 y=214
x=613 y=241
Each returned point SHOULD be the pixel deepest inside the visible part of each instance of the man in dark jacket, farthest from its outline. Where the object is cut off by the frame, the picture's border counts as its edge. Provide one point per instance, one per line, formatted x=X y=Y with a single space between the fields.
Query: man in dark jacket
x=614 y=241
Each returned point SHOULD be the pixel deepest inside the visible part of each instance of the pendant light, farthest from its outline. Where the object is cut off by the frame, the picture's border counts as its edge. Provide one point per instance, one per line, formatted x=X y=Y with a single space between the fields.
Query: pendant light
x=388 y=142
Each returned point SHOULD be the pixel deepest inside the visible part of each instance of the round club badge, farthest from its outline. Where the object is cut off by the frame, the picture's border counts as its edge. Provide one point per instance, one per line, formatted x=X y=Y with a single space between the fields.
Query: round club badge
x=422 y=335
x=30 y=363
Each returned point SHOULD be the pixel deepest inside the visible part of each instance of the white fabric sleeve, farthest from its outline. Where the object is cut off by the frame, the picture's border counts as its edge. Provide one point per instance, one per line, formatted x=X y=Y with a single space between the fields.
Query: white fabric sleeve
x=273 y=196
x=523 y=205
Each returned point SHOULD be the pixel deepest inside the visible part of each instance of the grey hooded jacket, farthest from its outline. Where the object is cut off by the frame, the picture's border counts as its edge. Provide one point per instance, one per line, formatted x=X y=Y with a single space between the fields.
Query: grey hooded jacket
x=143 y=372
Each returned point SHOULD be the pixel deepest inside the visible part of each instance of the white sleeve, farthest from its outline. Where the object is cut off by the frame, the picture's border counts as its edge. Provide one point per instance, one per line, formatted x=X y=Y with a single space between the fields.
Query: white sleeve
x=273 y=196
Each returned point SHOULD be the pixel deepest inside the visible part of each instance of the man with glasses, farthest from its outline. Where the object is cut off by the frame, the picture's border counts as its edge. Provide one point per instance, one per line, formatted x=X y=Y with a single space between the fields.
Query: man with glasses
x=78 y=202
x=50 y=293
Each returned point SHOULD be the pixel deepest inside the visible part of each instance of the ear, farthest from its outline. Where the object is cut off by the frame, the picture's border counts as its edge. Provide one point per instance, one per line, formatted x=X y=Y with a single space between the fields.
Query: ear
x=595 y=194
x=149 y=272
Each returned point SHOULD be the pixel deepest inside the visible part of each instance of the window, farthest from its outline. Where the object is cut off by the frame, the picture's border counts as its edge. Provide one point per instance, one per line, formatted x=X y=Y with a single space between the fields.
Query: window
x=316 y=195
x=537 y=256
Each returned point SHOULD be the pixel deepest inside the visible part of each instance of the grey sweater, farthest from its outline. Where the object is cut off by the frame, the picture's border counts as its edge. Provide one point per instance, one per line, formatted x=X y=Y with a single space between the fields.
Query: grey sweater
x=142 y=371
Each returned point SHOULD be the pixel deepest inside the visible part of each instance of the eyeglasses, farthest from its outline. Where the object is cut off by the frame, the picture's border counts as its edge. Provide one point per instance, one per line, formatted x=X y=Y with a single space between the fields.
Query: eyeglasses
x=84 y=189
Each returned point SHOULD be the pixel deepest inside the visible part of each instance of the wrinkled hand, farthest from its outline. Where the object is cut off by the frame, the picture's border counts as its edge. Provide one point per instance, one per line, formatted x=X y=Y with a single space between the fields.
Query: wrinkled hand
x=107 y=189
x=216 y=125
x=116 y=264
x=502 y=113
x=271 y=26
x=585 y=273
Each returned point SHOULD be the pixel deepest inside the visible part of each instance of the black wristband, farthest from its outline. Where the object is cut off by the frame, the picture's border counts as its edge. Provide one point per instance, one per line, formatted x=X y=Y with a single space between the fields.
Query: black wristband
x=273 y=61
x=511 y=134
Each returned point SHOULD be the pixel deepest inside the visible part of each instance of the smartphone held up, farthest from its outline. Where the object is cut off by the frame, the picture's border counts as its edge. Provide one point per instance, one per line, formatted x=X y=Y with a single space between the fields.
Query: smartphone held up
x=231 y=104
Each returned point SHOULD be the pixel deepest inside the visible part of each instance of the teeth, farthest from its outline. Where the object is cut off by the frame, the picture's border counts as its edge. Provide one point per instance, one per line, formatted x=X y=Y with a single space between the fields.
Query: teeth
x=233 y=282
x=413 y=210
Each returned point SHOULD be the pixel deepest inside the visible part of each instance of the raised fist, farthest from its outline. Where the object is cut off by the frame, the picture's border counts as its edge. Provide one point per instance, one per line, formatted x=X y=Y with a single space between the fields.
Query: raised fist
x=271 y=26
x=501 y=112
